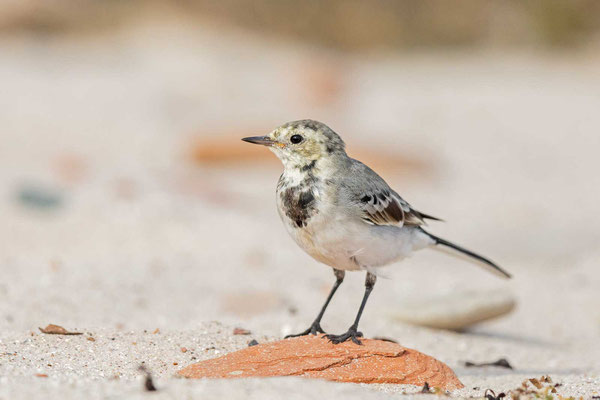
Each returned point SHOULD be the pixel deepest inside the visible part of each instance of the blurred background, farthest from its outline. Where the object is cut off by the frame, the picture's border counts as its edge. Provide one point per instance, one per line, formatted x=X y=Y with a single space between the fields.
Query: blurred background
x=129 y=202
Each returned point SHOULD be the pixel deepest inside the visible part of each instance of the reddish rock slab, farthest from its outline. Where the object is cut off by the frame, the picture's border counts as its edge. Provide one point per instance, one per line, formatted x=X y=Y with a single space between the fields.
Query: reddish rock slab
x=376 y=361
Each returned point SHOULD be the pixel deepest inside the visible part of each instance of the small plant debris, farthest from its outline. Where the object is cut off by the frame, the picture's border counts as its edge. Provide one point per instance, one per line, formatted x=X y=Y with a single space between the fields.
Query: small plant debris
x=148 y=383
x=41 y=375
x=253 y=342
x=57 y=330
x=426 y=388
x=503 y=363
x=241 y=331
x=539 y=388
x=536 y=383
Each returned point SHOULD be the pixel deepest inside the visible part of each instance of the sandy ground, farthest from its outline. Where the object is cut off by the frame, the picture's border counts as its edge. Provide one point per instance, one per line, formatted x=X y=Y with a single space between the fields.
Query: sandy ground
x=141 y=238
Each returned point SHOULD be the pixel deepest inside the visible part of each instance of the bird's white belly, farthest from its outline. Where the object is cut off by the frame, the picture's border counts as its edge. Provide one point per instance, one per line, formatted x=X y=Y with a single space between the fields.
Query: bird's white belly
x=347 y=243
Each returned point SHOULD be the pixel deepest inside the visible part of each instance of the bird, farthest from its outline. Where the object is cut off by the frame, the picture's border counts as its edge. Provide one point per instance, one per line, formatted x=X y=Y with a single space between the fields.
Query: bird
x=343 y=214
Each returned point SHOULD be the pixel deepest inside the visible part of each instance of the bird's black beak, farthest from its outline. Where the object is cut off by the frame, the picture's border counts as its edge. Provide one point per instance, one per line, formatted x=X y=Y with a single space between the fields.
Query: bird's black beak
x=264 y=140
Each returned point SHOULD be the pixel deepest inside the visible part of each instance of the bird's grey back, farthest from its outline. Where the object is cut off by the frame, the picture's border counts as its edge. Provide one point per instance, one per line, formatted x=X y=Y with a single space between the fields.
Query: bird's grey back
x=356 y=179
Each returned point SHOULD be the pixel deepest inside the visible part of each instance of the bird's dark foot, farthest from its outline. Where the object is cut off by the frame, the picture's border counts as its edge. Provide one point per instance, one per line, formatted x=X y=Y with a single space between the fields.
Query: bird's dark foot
x=352 y=334
x=314 y=329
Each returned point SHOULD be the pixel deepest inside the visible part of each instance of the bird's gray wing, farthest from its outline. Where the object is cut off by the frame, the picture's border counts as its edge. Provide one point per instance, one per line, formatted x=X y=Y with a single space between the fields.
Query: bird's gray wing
x=377 y=203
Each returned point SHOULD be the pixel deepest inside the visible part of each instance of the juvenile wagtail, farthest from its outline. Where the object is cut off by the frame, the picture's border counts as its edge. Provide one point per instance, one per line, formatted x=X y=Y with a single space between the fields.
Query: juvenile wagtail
x=342 y=213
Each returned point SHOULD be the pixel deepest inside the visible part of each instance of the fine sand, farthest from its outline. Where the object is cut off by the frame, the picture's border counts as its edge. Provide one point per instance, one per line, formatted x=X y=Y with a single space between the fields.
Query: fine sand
x=110 y=228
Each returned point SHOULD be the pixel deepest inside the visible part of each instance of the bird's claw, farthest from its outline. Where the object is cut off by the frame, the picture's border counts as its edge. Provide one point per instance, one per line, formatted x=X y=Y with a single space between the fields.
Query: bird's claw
x=314 y=329
x=352 y=334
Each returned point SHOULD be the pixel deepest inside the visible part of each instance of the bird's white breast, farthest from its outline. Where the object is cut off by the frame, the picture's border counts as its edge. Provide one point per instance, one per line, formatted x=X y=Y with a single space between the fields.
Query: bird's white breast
x=339 y=238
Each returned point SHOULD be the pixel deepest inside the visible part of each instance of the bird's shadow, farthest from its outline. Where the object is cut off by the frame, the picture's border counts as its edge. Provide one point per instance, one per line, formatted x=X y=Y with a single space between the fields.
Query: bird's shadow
x=461 y=370
x=528 y=340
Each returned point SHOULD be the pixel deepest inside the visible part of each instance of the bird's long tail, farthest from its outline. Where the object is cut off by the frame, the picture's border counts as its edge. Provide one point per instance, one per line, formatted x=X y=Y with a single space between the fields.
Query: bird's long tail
x=457 y=250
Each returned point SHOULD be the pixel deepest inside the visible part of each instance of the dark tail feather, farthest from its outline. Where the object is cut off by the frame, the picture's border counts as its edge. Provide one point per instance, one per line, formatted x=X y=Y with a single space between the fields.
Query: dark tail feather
x=426 y=216
x=491 y=266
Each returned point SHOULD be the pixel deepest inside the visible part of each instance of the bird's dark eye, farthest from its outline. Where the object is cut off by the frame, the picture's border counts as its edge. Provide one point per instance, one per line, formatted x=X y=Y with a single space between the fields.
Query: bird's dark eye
x=295 y=139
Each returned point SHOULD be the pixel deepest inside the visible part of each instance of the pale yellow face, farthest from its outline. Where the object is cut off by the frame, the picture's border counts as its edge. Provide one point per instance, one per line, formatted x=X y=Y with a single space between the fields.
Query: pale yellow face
x=300 y=143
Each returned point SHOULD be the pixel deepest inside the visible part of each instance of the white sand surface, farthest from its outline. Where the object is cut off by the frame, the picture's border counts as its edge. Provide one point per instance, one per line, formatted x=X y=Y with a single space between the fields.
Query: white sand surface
x=145 y=239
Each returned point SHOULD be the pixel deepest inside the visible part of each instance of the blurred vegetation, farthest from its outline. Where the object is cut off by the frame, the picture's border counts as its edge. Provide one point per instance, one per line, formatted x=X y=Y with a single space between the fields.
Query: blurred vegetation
x=340 y=24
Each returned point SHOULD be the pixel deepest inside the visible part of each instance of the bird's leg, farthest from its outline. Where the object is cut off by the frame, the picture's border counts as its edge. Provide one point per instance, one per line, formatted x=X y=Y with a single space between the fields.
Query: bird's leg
x=316 y=325
x=353 y=332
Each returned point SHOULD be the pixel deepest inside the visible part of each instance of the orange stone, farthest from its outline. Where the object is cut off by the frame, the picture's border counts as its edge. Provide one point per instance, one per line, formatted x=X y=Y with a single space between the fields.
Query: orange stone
x=376 y=361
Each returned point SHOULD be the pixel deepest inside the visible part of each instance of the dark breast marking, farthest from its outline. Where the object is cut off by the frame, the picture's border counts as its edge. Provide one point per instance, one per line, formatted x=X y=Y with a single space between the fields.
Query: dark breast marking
x=298 y=204
x=309 y=166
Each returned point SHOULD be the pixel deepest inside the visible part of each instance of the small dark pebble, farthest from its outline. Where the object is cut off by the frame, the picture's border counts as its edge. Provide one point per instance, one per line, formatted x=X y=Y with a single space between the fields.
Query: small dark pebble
x=148 y=383
x=491 y=395
x=34 y=196
x=253 y=342
x=426 y=388
x=503 y=363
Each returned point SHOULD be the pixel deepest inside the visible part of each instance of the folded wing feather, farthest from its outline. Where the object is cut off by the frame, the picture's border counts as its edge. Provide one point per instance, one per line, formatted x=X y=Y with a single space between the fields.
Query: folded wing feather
x=388 y=208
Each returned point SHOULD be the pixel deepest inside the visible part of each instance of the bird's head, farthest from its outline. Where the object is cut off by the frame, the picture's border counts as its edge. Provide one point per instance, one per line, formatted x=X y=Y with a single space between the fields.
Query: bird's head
x=299 y=144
